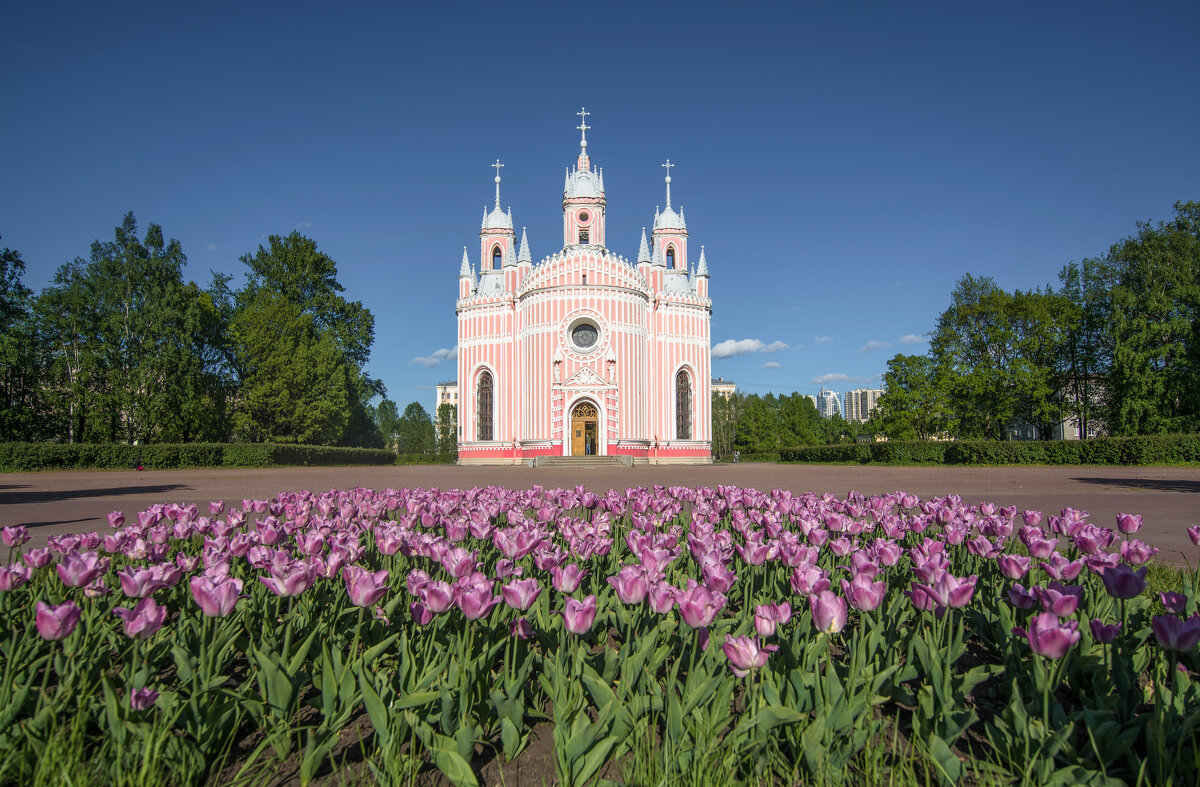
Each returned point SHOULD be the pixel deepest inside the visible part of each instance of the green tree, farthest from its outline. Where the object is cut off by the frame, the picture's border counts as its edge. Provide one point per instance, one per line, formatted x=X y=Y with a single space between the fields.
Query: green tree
x=387 y=421
x=1088 y=349
x=446 y=424
x=916 y=402
x=1154 y=383
x=416 y=430
x=799 y=421
x=296 y=383
x=1042 y=323
x=21 y=356
x=726 y=410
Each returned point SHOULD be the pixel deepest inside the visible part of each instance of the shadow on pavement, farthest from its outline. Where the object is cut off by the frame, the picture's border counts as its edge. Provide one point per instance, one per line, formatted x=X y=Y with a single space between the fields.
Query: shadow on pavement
x=1154 y=484
x=70 y=494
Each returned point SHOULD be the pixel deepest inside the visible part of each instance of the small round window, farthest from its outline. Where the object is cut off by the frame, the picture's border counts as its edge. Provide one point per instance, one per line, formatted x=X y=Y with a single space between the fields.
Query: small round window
x=584 y=336
x=583 y=216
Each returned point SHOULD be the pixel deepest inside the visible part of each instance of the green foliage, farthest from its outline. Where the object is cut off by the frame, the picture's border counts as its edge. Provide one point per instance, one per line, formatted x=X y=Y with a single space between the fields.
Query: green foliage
x=757 y=427
x=446 y=426
x=1145 y=450
x=24 y=457
x=415 y=430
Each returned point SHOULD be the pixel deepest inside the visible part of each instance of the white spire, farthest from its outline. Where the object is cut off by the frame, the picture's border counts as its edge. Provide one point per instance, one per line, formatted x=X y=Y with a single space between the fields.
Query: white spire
x=702 y=266
x=668 y=165
x=509 y=259
x=601 y=173
x=464 y=269
x=583 y=129
x=497 y=167
x=566 y=179
x=523 y=256
x=656 y=259
x=643 y=250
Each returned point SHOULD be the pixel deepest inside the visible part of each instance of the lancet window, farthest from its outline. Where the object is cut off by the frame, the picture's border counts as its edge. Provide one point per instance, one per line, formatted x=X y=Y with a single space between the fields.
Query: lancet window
x=683 y=406
x=485 y=399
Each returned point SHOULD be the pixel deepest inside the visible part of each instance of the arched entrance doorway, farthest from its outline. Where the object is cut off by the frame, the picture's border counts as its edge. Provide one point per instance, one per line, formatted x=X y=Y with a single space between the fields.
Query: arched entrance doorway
x=585 y=430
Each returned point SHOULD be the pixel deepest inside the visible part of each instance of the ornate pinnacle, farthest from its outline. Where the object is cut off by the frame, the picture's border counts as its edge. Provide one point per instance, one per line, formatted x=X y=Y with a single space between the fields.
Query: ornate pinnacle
x=668 y=165
x=464 y=269
x=643 y=250
x=523 y=256
x=497 y=167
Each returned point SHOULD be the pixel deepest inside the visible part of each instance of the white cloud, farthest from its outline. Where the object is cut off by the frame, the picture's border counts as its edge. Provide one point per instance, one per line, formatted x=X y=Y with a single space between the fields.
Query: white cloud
x=821 y=340
x=911 y=338
x=873 y=345
x=436 y=357
x=303 y=225
x=731 y=347
x=771 y=365
x=836 y=377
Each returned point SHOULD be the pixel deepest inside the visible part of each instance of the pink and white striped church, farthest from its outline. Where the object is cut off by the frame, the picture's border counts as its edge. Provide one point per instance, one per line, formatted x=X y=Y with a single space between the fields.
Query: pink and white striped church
x=585 y=352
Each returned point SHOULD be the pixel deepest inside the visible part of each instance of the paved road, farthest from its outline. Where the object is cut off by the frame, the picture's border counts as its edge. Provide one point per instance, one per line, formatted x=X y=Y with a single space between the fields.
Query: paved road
x=1167 y=497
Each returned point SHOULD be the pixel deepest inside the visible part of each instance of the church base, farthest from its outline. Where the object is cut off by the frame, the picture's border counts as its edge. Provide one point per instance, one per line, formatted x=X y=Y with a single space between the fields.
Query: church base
x=639 y=452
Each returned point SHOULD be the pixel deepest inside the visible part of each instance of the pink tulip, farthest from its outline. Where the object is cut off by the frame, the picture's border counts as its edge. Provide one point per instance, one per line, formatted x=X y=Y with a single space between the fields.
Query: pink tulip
x=216 y=596
x=14 y=536
x=1041 y=548
x=661 y=597
x=1122 y=581
x=291 y=580
x=1013 y=566
x=1104 y=633
x=631 y=584
x=745 y=654
x=1194 y=534
x=578 y=616
x=698 y=605
x=14 y=576
x=520 y=629
x=142 y=699
x=566 y=579
x=79 y=568
x=807 y=580
x=56 y=622
x=1022 y=598
x=1135 y=552
x=864 y=594
x=365 y=588
x=116 y=519
x=718 y=577
x=437 y=595
x=476 y=602
x=768 y=616
x=1060 y=599
x=521 y=593
x=138 y=582
x=422 y=614
x=1129 y=523
x=1175 y=634
x=1062 y=569
x=38 y=558
x=143 y=620
x=1048 y=636
x=949 y=591
x=829 y=611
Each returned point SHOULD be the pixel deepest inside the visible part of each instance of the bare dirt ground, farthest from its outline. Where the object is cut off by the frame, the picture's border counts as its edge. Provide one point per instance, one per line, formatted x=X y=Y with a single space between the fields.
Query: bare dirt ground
x=1168 y=497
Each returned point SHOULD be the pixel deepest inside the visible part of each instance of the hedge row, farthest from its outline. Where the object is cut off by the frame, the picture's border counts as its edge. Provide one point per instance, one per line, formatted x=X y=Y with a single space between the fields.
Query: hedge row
x=15 y=457
x=426 y=459
x=1150 y=449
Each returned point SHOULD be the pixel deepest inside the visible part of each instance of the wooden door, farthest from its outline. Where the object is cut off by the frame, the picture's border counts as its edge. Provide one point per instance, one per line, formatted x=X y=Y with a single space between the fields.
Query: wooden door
x=578 y=427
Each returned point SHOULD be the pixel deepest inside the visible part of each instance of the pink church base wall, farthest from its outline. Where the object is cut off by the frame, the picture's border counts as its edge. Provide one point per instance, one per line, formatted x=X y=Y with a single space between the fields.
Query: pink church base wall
x=641 y=452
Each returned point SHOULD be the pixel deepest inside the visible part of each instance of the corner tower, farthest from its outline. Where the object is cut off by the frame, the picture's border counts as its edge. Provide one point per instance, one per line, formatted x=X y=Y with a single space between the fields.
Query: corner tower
x=496 y=239
x=583 y=197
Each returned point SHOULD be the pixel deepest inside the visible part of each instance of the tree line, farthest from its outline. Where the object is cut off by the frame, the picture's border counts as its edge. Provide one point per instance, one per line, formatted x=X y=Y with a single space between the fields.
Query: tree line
x=1114 y=347
x=119 y=347
x=754 y=425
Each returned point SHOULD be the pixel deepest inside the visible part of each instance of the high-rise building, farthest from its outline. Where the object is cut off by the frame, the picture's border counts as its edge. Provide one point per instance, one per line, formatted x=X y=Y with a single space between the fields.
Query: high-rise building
x=585 y=352
x=859 y=403
x=827 y=403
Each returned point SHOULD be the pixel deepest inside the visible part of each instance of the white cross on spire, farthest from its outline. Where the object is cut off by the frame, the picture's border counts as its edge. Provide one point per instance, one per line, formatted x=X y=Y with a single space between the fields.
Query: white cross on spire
x=497 y=167
x=583 y=128
x=668 y=165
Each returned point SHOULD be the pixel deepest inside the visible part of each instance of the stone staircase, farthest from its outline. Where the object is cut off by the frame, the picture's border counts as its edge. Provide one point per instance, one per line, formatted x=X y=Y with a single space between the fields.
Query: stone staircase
x=583 y=462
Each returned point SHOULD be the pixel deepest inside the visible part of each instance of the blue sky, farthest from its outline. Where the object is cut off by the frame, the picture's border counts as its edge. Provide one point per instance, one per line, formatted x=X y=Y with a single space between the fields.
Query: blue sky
x=843 y=164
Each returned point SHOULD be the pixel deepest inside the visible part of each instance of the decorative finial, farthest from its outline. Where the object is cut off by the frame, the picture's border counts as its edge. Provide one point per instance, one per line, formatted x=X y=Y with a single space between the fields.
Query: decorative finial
x=583 y=128
x=497 y=167
x=668 y=166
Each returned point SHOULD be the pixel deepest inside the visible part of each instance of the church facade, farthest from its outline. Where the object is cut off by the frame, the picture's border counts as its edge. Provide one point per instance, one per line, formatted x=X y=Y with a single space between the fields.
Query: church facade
x=585 y=352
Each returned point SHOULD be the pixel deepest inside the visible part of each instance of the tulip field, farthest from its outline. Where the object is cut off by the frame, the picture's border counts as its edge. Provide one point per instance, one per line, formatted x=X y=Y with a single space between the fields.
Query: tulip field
x=645 y=636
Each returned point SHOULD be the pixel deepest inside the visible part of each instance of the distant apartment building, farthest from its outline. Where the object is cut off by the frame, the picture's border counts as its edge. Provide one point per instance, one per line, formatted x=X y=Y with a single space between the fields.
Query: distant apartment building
x=726 y=388
x=827 y=403
x=859 y=404
x=445 y=393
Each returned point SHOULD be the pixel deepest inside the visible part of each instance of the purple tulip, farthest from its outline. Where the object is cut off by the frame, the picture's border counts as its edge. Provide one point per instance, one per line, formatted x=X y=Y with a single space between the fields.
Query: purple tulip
x=216 y=507
x=718 y=577
x=1062 y=569
x=1060 y=599
x=1194 y=534
x=829 y=611
x=1022 y=598
x=631 y=584
x=437 y=595
x=1105 y=633
x=1129 y=523
x=216 y=596
x=1175 y=603
x=808 y=579
x=768 y=616
x=422 y=614
x=745 y=654
x=864 y=594
x=1041 y=548
x=476 y=601
x=698 y=606
x=38 y=558
x=56 y=622
x=520 y=629
x=578 y=616
x=1048 y=636
x=365 y=588
x=1013 y=566
x=142 y=699
x=566 y=579
x=521 y=593
x=1033 y=518
x=143 y=620
x=116 y=519
x=661 y=597
x=14 y=576
x=949 y=591
x=138 y=582
x=1175 y=634
x=1122 y=581
x=77 y=569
